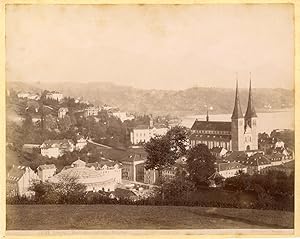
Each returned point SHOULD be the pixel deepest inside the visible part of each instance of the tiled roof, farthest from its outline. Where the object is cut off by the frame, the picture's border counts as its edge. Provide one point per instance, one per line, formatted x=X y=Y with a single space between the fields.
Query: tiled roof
x=216 y=150
x=156 y=126
x=79 y=173
x=99 y=165
x=256 y=160
x=275 y=157
x=64 y=143
x=160 y=126
x=47 y=166
x=16 y=173
x=196 y=136
x=229 y=166
x=142 y=127
x=123 y=193
x=212 y=125
x=215 y=175
x=236 y=156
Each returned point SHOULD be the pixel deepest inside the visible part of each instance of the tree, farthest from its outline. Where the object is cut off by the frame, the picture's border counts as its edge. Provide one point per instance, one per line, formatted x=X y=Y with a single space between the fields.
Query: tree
x=70 y=190
x=200 y=164
x=177 y=189
x=45 y=193
x=66 y=190
x=178 y=137
x=164 y=150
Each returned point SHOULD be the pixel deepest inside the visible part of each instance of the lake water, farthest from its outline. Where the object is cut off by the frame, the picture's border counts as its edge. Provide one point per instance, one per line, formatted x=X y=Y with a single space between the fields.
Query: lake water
x=266 y=122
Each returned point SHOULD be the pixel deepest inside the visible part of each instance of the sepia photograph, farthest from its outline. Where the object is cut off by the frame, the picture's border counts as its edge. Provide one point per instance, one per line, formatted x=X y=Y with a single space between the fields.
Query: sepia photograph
x=150 y=117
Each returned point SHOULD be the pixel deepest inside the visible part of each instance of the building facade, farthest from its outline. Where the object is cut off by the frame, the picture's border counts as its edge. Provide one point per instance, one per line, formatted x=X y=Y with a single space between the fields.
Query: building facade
x=19 y=180
x=54 y=95
x=95 y=178
x=62 y=112
x=57 y=148
x=238 y=135
x=143 y=133
x=46 y=171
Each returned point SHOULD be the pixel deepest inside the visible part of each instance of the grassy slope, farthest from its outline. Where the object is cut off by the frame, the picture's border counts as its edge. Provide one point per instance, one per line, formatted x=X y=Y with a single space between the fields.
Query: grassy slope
x=63 y=217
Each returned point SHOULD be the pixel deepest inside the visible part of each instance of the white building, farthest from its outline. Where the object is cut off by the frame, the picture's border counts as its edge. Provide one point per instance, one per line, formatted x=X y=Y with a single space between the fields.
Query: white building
x=91 y=111
x=143 y=133
x=103 y=178
x=123 y=116
x=54 y=95
x=19 y=180
x=81 y=143
x=62 y=112
x=46 y=171
x=23 y=94
x=28 y=95
x=231 y=169
x=57 y=148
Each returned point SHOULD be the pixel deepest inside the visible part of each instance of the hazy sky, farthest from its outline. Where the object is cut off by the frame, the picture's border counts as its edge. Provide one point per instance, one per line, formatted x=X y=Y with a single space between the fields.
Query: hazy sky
x=164 y=47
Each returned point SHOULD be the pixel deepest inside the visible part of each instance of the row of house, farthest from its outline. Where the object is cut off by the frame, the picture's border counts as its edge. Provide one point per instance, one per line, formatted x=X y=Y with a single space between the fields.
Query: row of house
x=55 y=148
x=104 y=176
x=250 y=162
x=28 y=95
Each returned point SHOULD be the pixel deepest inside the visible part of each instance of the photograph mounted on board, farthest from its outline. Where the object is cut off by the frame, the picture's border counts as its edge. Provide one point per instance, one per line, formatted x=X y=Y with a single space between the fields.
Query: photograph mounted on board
x=150 y=117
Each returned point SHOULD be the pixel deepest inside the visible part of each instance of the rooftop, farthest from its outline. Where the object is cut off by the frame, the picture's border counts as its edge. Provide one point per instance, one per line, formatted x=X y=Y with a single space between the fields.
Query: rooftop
x=215 y=137
x=46 y=166
x=230 y=165
x=16 y=173
x=64 y=143
x=212 y=125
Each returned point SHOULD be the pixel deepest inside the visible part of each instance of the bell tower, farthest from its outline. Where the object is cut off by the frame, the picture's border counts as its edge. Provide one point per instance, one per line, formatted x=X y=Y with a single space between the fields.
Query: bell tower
x=237 y=124
x=251 y=123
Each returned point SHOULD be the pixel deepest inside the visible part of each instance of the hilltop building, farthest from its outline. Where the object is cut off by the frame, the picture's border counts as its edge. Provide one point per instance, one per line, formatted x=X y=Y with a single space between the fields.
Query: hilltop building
x=54 y=95
x=56 y=148
x=91 y=111
x=238 y=135
x=62 y=112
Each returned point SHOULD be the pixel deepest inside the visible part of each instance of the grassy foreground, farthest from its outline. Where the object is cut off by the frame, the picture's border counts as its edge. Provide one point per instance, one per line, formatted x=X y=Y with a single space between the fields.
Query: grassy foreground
x=64 y=217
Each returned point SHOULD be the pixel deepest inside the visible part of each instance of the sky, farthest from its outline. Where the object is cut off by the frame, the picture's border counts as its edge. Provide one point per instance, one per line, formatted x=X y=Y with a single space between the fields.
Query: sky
x=152 y=46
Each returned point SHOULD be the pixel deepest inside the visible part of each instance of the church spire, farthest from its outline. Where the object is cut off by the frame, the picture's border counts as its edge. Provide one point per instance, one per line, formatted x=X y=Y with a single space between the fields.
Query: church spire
x=237 y=111
x=207 y=117
x=250 y=112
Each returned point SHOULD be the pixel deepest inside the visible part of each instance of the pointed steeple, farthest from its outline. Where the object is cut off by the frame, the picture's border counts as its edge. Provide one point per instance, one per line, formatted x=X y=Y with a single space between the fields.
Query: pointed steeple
x=250 y=112
x=207 y=117
x=237 y=111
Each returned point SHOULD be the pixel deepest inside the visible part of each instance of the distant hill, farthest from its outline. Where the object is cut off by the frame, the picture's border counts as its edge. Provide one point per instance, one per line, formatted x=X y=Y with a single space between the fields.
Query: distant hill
x=189 y=101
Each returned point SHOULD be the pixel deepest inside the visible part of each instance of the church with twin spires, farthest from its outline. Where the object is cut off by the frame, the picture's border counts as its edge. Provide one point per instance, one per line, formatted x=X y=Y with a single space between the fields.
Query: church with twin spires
x=238 y=135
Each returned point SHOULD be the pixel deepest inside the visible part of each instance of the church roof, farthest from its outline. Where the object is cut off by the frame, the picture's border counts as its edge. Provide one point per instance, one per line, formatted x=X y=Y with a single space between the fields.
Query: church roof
x=237 y=111
x=250 y=112
x=212 y=125
x=208 y=137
